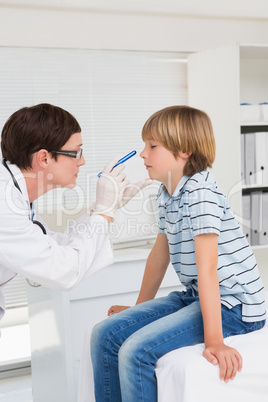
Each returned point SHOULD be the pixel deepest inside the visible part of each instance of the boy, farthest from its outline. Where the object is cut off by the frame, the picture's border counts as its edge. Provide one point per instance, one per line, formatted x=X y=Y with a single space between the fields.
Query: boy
x=198 y=233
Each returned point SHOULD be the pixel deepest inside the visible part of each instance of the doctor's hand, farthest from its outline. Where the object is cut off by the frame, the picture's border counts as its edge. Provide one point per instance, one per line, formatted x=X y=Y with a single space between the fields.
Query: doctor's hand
x=113 y=189
x=117 y=309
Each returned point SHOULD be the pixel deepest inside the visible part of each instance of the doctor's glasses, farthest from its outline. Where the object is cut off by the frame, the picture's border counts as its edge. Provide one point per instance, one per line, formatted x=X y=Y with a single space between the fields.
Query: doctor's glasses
x=72 y=154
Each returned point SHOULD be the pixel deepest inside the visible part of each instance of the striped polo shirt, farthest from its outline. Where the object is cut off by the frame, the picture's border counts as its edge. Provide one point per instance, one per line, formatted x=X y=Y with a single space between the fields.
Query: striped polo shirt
x=197 y=206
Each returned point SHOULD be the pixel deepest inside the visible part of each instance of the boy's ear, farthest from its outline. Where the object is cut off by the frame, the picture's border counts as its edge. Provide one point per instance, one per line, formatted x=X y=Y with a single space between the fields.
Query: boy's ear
x=185 y=155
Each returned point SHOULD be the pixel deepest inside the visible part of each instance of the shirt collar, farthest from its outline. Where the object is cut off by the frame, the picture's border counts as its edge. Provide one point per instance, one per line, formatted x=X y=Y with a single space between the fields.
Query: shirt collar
x=180 y=185
x=163 y=194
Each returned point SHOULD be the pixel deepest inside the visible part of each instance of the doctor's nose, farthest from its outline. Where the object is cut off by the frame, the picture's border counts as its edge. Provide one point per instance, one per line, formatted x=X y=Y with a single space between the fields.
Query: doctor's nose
x=81 y=161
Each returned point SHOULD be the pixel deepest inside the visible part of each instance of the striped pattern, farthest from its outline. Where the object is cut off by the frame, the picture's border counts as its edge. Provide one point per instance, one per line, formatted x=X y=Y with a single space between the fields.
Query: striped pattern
x=197 y=206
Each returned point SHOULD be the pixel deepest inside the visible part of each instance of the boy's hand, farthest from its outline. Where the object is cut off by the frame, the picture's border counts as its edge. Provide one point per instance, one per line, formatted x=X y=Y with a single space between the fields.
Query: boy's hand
x=229 y=360
x=116 y=309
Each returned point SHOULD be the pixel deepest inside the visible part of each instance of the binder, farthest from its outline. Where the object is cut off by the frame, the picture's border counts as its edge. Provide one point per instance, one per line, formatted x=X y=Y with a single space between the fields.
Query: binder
x=256 y=217
x=264 y=216
x=261 y=144
x=265 y=173
x=243 y=158
x=246 y=225
x=250 y=167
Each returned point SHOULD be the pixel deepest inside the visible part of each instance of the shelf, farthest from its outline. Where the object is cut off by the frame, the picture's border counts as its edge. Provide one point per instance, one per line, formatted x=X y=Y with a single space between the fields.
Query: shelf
x=263 y=247
x=254 y=187
x=253 y=128
x=254 y=123
x=245 y=69
x=257 y=51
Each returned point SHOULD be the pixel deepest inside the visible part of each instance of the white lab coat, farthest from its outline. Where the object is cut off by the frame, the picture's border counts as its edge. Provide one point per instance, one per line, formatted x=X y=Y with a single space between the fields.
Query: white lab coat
x=56 y=260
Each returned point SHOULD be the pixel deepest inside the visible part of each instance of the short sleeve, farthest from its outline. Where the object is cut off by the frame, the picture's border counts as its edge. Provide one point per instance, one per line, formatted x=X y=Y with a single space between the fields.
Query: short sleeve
x=161 y=224
x=206 y=208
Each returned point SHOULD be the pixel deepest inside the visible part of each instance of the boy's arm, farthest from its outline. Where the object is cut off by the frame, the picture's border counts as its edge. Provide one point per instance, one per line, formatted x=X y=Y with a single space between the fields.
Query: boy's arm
x=155 y=270
x=229 y=360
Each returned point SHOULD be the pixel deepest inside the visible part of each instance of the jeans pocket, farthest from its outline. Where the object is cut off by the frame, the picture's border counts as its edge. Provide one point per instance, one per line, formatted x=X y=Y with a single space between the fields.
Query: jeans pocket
x=259 y=325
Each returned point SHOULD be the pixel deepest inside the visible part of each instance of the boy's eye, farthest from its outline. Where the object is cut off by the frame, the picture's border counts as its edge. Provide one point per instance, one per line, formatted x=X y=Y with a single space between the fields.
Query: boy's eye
x=153 y=146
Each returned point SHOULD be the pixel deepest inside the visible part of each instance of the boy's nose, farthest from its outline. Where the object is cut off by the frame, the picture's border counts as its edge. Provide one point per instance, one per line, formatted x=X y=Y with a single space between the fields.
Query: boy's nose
x=143 y=154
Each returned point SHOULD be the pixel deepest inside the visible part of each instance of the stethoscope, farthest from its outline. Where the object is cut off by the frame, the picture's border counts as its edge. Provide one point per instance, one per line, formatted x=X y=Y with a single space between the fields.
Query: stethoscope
x=31 y=205
x=33 y=284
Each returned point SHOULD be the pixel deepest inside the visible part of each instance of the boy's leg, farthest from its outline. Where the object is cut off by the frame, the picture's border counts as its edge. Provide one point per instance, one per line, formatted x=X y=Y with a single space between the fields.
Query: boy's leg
x=108 y=336
x=140 y=352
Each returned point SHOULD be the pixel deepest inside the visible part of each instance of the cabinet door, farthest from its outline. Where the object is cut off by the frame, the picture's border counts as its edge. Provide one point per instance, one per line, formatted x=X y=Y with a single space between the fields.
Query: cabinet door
x=213 y=82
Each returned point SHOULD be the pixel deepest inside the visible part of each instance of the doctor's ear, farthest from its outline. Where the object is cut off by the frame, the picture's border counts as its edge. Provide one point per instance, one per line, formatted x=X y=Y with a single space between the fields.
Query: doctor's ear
x=42 y=157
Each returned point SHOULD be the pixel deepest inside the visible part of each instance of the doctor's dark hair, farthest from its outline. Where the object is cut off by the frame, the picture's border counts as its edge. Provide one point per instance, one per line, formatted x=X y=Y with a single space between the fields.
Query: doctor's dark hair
x=30 y=129
x=184 y=129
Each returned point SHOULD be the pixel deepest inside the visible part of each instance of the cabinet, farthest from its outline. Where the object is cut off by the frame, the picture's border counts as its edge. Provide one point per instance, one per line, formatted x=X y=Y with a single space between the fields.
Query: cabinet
x=219 y=80
x=60 y=320
x=254 y=174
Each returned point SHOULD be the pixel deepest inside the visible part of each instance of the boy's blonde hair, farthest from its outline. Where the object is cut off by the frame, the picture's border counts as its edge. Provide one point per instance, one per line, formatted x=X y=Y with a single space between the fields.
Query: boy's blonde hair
x=184 y=129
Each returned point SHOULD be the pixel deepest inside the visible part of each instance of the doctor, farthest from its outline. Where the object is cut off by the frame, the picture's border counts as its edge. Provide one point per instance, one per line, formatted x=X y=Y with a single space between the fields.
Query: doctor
x=41 y=149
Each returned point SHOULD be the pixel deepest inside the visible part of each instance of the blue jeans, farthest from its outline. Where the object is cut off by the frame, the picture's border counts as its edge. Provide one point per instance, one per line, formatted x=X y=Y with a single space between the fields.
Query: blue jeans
x=126 y=346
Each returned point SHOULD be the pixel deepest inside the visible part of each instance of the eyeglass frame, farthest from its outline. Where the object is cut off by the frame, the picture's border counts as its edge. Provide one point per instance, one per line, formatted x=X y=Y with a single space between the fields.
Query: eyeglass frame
x=72 y=154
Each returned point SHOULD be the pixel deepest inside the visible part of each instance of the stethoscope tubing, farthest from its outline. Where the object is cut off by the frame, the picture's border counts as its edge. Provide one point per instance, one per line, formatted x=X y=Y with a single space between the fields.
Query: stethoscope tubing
x=18 y=187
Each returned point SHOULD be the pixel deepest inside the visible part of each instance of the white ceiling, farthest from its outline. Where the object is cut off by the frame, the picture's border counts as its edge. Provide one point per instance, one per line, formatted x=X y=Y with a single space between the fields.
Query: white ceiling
x=250 y=9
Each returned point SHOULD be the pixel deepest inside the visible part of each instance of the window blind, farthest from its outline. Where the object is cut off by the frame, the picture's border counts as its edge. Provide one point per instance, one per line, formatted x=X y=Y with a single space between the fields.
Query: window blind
x=15 y=292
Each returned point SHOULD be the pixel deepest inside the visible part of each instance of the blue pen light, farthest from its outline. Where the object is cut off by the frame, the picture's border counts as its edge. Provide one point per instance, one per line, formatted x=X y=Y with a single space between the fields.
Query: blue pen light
x=122 y=160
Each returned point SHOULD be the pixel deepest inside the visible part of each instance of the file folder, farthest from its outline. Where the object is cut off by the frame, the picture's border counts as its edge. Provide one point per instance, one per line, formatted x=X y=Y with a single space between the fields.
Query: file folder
x=250 y=168
x=256 y=219
x=246 y=225
x=261 y=156
x=243 y=178
x=264 y=229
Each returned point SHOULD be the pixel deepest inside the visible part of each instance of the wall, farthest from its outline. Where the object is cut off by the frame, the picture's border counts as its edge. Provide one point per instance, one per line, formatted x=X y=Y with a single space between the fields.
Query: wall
x=168 y=25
